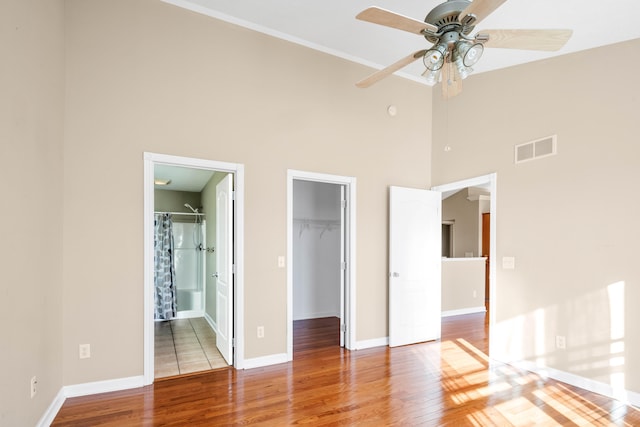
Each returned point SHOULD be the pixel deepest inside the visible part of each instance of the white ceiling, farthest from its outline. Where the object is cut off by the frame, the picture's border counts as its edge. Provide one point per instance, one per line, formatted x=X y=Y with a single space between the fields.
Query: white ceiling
x=182 y=179
x=330 y=26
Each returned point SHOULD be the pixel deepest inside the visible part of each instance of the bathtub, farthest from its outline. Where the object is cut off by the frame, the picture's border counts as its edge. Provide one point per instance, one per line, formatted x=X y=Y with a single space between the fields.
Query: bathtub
x=189 y=303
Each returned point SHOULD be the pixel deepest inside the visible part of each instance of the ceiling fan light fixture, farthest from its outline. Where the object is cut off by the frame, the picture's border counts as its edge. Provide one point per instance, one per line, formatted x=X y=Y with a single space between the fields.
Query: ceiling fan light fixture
x=463 y=71
x=432 y=76
x=470 y=53
x=454 y=52
x=434 y=58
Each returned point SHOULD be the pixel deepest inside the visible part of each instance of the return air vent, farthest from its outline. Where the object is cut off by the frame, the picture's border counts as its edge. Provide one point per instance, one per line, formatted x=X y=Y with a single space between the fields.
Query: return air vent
x=536 y=149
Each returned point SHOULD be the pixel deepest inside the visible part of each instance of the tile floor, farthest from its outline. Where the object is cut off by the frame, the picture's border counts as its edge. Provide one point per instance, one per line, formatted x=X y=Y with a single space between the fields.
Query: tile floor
x=183 y=346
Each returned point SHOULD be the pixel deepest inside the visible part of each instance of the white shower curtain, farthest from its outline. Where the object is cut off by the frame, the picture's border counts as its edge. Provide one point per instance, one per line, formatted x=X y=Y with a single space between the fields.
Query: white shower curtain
x=164 y=275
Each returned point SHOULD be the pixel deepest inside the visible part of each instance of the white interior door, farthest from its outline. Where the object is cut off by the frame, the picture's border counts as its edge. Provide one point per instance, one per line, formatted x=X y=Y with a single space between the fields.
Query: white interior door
x=414 y=265
x=224 y=266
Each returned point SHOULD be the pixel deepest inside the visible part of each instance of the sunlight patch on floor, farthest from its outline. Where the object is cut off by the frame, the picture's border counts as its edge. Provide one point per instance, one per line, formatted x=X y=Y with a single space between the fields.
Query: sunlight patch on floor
x=565 y=404
x=522 y=412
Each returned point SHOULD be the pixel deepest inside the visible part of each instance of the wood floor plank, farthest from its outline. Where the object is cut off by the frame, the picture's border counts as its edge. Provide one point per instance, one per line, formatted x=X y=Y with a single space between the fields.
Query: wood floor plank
x=443 y=383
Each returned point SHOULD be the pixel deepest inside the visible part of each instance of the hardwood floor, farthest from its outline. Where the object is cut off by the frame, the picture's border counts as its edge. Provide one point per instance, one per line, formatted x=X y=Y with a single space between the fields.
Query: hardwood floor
x=448 y=382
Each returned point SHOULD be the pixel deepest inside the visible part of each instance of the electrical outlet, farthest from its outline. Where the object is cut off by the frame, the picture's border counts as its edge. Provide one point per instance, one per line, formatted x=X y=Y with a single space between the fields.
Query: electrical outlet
x=34 y=390
x=84 y=351
x=280 y=261
x=260 y=331
x=475 y=294
x=561 y=342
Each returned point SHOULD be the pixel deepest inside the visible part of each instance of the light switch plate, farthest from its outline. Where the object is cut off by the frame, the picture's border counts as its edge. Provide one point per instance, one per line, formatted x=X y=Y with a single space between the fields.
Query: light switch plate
x=508 y=262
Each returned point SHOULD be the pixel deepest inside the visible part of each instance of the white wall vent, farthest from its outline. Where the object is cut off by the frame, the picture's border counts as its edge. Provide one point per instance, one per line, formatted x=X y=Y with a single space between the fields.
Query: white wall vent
x=537 y=149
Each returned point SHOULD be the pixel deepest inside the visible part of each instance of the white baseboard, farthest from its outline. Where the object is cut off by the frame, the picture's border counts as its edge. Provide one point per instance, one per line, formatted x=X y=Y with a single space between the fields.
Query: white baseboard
x=103 y=386
x=53 y=409
x=376 y=342
x=461 y=311
x=189 y=314
x=259 y=362
x=624 y=396
x=211 y=322
x=85 y=390
x=319 y=315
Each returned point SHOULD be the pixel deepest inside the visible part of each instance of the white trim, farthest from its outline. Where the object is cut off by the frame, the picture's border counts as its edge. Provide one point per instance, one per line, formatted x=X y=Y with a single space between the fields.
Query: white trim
x=211 y=322
x=189 y=314
x=150 y=159
x=317 y=315
x=87 y=389
x=375 y=342
x=189 y=5
x=461 y=311
x=492 y=181
x=50 y=414
x=148 y=326
x=350 y=285
x=625 y=396
x=238 y=309
x=259 y=362
x=106 y=386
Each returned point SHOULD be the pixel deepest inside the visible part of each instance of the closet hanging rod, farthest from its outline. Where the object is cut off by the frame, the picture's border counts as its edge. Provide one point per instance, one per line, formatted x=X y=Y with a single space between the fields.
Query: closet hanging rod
x=180 y=213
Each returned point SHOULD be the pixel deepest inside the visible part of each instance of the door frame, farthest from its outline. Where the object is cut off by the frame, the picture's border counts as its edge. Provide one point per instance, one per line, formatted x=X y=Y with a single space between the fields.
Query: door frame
x=350 y=252
x=489 y=180
x=150 y=160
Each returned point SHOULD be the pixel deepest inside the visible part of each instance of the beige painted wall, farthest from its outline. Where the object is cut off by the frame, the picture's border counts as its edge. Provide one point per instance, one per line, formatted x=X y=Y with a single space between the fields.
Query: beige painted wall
x=173 y=201
x=463 y=283
x=568 y=220
x=465 y=214
x=31 y=168
x=147 y=76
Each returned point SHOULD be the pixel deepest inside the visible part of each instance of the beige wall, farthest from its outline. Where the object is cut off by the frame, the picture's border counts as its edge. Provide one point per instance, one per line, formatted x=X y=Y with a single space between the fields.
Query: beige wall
x=173 y=201
x=568 y=220
x=463 y=284
x=31 y=136
x=147 y=76
x=465 y=214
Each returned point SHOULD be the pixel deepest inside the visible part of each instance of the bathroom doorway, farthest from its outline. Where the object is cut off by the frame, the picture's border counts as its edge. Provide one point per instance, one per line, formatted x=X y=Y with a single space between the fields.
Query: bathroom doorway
x=192 y=294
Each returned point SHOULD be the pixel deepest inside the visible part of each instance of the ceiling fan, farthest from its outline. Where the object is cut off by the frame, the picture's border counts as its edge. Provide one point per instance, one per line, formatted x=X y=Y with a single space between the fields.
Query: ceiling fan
x=454 y=52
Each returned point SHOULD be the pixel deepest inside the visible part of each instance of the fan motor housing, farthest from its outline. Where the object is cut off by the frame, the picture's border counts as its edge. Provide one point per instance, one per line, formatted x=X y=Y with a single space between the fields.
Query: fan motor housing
x=445 y=16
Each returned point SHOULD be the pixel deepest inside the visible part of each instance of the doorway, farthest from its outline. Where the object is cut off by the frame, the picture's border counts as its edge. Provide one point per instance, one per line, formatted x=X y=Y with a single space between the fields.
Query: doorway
x=320 y=250
x=488 y=183
x=317 y=260
x=208 y=250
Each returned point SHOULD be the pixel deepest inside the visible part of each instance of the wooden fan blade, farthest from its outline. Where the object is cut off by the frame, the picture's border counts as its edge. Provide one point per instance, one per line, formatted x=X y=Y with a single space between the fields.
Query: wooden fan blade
x=387 y=18
x=451 y=81
x=481 y=9
x=547 y=40
x=381 y=74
